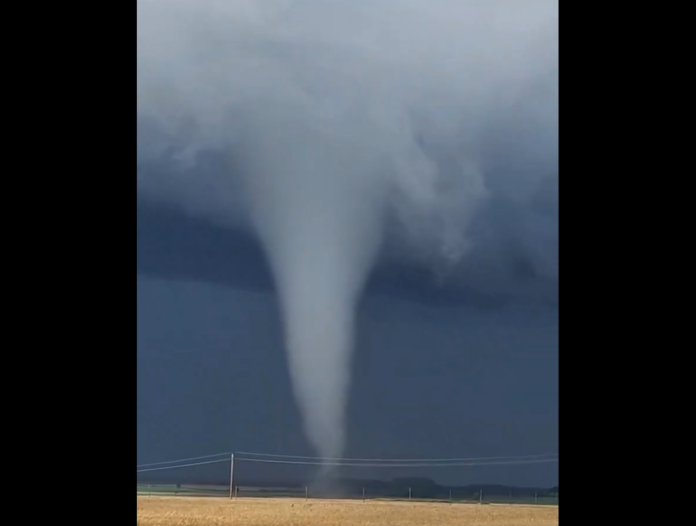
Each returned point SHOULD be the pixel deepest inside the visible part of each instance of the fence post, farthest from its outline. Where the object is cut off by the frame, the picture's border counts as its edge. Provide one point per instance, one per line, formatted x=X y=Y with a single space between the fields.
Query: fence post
x=409 y=493
x=363 y=494
x=149 y=490
x=480 y=496
x=306 y=492
x=536 y=498
x=450 y=496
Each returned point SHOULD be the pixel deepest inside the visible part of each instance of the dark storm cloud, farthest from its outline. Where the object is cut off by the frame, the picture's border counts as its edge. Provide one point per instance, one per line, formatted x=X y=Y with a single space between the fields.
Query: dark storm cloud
x=461 y=96
x=514 y=255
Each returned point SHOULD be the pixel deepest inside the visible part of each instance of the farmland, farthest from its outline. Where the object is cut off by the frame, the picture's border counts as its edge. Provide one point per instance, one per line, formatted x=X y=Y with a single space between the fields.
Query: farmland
x=177 y=511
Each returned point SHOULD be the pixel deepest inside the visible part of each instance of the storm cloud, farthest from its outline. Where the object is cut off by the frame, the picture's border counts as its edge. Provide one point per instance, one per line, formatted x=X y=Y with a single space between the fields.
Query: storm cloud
x=463 y=96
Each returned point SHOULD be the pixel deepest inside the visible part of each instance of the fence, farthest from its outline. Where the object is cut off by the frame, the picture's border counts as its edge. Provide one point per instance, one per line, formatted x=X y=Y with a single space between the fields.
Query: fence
x=366 y=494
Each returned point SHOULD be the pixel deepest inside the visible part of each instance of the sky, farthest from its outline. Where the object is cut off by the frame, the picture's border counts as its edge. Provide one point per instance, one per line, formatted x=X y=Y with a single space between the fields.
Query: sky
x=456 y=352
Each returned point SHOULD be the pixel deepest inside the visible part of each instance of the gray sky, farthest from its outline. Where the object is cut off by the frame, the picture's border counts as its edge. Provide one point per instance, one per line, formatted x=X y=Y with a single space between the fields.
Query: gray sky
x=457 y=350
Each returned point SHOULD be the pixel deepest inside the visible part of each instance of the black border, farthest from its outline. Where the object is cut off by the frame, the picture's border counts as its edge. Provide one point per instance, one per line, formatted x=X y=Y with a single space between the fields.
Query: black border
x=73 y=139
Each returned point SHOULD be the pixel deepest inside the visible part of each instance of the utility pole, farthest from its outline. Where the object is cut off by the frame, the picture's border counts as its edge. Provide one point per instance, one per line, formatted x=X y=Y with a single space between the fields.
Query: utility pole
x=232 y=475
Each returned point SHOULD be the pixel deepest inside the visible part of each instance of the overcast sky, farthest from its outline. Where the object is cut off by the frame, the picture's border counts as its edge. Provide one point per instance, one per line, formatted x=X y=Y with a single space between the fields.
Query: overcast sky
x=455 y=356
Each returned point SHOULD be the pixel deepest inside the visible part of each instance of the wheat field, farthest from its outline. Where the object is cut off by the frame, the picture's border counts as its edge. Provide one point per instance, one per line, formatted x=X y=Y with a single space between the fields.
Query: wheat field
x=190 y=511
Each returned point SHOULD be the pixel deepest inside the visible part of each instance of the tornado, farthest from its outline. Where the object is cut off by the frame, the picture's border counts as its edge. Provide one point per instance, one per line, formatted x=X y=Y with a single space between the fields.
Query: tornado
x=316 y=203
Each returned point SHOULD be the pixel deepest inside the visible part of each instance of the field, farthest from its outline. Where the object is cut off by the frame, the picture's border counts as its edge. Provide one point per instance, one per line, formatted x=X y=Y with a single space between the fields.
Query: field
x=199 y=511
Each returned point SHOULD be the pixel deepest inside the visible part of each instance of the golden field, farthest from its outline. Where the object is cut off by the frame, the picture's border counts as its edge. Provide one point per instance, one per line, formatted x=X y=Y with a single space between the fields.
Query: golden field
x=189 y=511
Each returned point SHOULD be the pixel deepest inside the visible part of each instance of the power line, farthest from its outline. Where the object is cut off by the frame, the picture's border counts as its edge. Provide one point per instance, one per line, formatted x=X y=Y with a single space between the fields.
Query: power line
x=182 y=460
x=185 y=465
x=354 y=461
x=413 y=460
x=385 y=465
x=358 y=465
